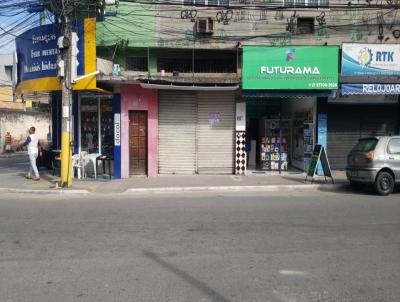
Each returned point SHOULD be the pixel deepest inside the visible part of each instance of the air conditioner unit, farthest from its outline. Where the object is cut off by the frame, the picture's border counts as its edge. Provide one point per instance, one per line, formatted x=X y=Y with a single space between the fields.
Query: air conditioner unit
x=205 y=25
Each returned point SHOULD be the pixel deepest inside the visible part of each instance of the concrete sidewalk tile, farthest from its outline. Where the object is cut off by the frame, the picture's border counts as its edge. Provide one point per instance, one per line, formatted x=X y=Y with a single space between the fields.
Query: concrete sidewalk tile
x=11 y=181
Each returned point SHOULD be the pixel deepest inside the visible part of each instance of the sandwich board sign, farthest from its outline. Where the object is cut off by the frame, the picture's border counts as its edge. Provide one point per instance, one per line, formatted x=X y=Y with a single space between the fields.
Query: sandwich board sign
x=319 y=153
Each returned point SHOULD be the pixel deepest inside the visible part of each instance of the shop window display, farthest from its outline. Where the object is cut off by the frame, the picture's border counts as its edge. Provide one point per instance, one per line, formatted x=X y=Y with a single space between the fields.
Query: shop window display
x=107 y=128
x=89 y=125
x=274 y=145
x=97 y=126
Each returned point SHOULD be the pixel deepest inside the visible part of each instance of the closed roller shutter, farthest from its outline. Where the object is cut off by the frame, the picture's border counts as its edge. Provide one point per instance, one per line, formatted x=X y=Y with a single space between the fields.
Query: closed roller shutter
x=215 y=143
x=348 y=123
x=177 y=132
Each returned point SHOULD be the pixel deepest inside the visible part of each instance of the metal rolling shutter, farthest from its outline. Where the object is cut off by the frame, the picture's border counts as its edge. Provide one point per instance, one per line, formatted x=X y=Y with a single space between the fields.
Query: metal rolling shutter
x=343 y=133
x=348 y=123
x=379 y=120
x=215 y=143
x=177 y=132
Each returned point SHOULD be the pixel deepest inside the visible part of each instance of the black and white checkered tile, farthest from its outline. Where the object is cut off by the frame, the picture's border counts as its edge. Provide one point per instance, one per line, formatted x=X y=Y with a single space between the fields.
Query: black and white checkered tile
x=240 y=160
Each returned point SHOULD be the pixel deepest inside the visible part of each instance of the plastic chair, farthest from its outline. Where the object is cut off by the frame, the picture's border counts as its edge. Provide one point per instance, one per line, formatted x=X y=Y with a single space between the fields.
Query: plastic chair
x=91 y=158
x=76 y=165
x=82 y=162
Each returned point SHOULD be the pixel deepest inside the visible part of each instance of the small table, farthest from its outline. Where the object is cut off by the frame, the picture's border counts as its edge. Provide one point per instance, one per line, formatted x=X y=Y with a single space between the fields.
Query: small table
x=103 y=159
x=55 y=157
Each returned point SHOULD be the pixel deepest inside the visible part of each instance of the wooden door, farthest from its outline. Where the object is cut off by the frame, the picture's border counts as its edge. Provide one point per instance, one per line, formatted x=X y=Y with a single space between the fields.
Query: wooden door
x=138 y=142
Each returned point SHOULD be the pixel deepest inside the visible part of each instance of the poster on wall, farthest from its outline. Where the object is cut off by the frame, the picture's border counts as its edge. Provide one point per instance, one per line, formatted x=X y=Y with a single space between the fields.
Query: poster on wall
x=294 y=67
x=214 y=118
x=370 y=59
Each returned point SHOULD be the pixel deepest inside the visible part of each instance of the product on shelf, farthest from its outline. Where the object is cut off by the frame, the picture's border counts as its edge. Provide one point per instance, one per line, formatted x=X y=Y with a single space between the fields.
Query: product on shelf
x=308 y=143
x=274 y=145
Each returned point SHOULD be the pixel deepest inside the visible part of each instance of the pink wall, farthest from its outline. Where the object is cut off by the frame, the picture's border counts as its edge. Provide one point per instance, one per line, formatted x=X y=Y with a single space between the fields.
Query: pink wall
x=134 y=97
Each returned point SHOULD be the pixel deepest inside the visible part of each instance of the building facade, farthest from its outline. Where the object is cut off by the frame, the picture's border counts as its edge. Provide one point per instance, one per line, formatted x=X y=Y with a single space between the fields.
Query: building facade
x=179 y=102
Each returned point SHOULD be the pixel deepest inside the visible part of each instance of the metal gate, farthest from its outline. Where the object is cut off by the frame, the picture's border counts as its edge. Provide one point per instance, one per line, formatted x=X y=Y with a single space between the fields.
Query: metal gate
x=215 y=132
x=177 y=132
x=348 y=123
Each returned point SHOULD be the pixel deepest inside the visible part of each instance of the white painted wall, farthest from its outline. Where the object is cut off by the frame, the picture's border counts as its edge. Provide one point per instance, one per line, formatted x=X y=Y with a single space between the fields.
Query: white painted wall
x=18 y=123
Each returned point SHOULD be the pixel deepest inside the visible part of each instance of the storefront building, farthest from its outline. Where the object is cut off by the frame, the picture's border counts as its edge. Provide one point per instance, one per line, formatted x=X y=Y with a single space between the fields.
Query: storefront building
x=171 y=131
x=365 y=106
x=282 y=87
x=196 y=131
x=139 y=131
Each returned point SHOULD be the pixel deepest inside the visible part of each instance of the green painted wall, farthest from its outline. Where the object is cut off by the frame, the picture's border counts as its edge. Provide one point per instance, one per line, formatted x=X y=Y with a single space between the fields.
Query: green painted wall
x=118 y=55
x=133 y=26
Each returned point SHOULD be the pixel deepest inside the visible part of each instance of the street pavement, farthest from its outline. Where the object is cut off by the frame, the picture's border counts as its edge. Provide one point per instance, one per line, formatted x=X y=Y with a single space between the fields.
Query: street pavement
x=294 y=246
x=13 y=167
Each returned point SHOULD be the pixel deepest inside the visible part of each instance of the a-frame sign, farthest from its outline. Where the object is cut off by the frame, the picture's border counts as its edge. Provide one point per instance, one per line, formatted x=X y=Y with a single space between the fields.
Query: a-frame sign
x=319 y=153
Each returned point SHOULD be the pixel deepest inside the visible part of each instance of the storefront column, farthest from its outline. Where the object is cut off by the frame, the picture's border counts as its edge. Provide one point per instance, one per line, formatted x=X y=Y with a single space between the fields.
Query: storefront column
x=56 y=119
x=117 y=135
x=75 y=123
x=240 y=157
x=322 y=127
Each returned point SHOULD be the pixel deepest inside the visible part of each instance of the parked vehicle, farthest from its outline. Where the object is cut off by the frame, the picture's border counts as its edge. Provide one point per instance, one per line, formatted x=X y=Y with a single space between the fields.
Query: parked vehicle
x=375 y=161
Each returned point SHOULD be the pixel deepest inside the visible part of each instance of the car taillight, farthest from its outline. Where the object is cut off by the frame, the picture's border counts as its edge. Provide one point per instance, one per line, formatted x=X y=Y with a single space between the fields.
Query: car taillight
x=370 y=156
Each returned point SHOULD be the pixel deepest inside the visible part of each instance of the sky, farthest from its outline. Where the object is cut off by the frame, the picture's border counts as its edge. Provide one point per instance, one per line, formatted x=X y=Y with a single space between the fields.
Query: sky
x=14 y=20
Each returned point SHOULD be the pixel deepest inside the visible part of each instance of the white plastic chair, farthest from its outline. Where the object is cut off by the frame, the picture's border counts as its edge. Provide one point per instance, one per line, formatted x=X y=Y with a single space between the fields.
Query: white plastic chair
x=91 y=158
x=77 y=165
x=82 y=157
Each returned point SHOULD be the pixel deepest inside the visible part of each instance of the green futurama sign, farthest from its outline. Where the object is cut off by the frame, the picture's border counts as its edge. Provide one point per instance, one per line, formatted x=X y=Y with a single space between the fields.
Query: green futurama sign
x=291 y=67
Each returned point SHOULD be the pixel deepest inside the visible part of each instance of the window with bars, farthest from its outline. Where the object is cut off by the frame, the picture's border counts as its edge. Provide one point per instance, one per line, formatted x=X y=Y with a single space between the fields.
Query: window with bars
x=306 y=3
x=137 y=63
x=222 y=3
x=205 y=61
x=305 y=26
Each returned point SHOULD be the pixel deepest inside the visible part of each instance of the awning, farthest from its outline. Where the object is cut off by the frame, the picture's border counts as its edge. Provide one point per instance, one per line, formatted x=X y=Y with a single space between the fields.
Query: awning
x=287 y=93
x=190 y=88
x=371 y=89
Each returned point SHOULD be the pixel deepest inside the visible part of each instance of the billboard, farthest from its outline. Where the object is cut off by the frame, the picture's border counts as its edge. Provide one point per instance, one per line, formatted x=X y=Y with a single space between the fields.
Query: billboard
x=370 y=59
x=38 y=54
x=291 y=67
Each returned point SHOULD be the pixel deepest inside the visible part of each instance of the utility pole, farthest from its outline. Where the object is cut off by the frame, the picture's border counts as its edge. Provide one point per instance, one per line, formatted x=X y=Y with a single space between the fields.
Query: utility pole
x=66 y=137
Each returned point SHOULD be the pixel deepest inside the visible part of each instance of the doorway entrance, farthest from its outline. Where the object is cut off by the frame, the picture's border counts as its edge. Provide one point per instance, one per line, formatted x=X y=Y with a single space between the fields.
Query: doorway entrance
x=138 y=142
x=280 y=134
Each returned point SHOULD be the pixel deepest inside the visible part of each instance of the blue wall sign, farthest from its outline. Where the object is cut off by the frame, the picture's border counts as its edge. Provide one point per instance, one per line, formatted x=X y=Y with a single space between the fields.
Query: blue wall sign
x=37 y=52
x=38 y=55
x=348 y=89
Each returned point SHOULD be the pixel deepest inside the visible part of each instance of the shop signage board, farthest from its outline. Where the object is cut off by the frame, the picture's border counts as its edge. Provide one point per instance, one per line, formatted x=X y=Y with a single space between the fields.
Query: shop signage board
x=319 y=154
x=117 y=129
x=373 y=89
x=241 y=116
x=370 y=59
x=38 y=55
x=291 y=67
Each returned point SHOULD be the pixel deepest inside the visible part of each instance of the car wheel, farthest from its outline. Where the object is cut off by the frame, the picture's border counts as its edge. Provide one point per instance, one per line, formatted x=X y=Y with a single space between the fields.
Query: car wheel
x=356 y=185
x=384 y=183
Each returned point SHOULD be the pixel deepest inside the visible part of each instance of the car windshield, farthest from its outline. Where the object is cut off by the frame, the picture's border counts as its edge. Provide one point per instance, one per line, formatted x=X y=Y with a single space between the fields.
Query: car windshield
x=365 y=145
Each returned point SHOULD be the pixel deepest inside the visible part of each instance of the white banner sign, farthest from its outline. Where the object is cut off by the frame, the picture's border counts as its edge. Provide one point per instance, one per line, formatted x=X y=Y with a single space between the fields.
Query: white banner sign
x=117 y=129
x=370 y=59
x=241 y=116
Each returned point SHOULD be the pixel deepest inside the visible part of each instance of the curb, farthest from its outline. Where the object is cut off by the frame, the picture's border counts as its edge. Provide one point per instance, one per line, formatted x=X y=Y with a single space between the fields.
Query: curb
x=43 y=191
x=269 y=188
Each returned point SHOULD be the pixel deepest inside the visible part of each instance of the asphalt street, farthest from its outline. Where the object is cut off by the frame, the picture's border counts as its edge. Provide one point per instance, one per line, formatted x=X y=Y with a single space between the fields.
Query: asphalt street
x=283 y=246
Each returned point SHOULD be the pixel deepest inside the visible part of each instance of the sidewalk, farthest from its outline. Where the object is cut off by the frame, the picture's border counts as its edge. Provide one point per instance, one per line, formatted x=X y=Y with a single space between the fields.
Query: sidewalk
x=13 y=167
